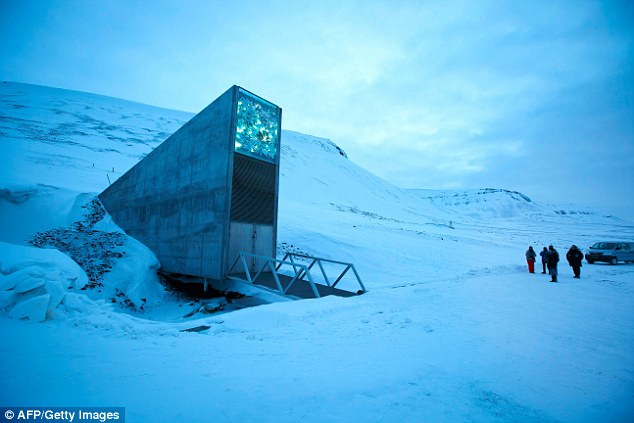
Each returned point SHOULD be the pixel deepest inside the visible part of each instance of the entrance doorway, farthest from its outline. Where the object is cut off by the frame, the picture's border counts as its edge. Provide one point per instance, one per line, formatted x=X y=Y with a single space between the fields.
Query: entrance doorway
x=250 y=238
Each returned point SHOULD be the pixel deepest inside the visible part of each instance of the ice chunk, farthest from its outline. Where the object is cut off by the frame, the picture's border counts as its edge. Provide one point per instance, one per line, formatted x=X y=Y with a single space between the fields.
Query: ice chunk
x=56 y=291
x=28 y=284
x=7 y=298
x=77 y=302
x=32 y=309
x=7 y=283
x=12 y=279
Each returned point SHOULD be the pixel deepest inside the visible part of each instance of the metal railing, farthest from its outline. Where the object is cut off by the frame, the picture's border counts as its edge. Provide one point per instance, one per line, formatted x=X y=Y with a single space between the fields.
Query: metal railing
x=319 y=260
x=299 y=271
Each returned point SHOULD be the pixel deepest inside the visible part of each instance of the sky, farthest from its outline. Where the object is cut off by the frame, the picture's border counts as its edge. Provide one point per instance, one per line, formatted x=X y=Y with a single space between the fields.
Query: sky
x=535 y=97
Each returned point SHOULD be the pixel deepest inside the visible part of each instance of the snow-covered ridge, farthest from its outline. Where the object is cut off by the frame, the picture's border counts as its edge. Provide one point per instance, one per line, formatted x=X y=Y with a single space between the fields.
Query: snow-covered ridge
x=487 y=202
x=299 y=138
x=467 y=196
x=76 y=140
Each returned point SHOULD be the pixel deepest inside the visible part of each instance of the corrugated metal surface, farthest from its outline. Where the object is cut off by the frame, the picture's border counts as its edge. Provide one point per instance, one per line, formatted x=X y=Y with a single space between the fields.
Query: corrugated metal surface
x=253 y=190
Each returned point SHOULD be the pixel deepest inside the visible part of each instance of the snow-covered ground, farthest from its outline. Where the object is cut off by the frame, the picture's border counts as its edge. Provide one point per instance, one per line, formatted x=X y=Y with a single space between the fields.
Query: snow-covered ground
x=453 y=327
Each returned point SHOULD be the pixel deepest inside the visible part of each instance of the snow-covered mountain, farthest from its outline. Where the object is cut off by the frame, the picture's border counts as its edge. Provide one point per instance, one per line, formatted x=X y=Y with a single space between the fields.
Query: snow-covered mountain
x=453 y=327
x=74 y=140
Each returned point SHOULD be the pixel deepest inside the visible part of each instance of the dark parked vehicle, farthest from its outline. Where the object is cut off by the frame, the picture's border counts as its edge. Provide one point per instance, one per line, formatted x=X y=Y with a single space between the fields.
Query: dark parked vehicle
x=611 y=252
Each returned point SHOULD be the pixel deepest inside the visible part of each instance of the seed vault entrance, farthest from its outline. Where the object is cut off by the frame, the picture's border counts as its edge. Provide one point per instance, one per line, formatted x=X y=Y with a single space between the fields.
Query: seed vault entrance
x=208 y=192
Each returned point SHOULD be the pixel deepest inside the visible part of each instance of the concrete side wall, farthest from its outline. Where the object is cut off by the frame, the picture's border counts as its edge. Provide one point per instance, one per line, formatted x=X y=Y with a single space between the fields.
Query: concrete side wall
x=176 y=200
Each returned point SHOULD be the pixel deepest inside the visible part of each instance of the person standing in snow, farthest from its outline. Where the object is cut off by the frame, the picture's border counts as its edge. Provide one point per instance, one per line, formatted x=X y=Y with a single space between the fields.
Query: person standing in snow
x=543 y=255
x=530 y=259
x=551 y=261
x=575 y=257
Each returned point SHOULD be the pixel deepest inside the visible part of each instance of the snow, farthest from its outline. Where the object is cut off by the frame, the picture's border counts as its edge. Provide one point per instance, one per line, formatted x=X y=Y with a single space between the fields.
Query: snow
x=453 y=327
x=33 y=309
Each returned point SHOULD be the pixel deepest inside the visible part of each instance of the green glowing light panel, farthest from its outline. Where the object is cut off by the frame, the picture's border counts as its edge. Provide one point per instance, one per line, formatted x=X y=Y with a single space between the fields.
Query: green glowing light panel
x=257 y=127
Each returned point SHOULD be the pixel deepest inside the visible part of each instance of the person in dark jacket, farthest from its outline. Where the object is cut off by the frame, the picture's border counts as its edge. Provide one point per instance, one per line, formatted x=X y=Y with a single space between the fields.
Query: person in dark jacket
x=543 y=255
x=530 y=259
x=551 y=261
x=575 y=257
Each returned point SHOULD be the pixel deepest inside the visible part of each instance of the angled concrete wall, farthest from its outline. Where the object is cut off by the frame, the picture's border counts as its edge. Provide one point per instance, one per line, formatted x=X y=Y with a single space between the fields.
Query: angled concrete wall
x=176 y=200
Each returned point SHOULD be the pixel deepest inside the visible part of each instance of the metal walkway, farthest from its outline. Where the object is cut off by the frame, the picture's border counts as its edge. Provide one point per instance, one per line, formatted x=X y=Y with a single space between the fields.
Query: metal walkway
x=292 y=275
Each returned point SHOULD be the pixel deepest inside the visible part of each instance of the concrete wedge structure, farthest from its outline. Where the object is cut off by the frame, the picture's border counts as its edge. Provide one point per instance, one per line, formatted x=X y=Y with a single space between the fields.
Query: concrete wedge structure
x=209 y=191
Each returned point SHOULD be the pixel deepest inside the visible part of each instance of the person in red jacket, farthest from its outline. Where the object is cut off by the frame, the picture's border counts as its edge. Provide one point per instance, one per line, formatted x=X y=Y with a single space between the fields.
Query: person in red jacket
x=530 y=259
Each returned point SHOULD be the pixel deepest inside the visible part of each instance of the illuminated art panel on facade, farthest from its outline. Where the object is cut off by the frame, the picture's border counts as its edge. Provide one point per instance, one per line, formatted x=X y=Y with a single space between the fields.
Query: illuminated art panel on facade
x=257 y=127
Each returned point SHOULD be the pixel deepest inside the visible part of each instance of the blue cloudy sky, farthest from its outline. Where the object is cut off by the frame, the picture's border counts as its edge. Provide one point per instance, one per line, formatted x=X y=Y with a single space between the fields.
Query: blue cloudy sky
x=534 y=96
